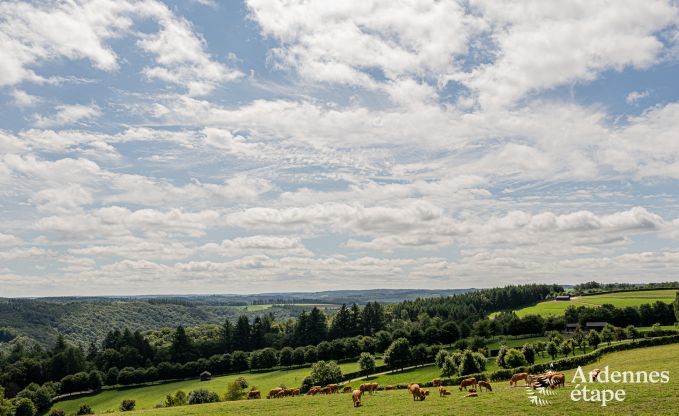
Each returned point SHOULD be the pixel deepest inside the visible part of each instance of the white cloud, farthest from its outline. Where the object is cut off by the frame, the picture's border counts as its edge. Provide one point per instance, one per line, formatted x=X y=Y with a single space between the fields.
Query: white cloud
x=635 y=96
x=68 y=115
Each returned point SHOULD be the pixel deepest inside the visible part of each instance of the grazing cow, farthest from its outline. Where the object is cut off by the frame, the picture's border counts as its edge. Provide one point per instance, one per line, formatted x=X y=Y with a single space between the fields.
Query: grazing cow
x=437 y=382
x=472 y=395
x=414 y=389
x=295 y=392
x=368 y=387
x=254 y=394
x=334 y=388
x=356 y=397
x=390 y=387
x=558 y=379
x=313 y=390
x=468 y=382
x=325 y=390
x=273 y=392
x=443 y=392
x=423 y=393
x=347 y=389
x=517 y=377
x=486 y=385
x=594 y=374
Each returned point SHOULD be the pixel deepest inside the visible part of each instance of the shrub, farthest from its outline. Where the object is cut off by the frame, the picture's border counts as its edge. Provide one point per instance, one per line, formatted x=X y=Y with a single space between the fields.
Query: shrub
x=24 y=407
x=501 y=356
x=323 y=373
x=57 y=412
x=84 y=409
x=440 y=358
x=307 y=383
x=233 y=392
x=366 y=363
x=242 y=382
x=179 y=399
x=201 y=396
x=514 y=358
x=398 y=353
x=127 y=405
x=471 y=363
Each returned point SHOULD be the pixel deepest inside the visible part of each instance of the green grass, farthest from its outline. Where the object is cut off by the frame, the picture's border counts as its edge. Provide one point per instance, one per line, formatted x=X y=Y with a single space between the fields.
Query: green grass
x=641 y=399
x=148 y=396
x=620 y=299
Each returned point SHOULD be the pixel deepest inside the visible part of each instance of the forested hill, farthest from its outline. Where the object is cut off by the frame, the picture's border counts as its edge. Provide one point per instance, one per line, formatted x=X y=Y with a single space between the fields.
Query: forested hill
x=85 y=319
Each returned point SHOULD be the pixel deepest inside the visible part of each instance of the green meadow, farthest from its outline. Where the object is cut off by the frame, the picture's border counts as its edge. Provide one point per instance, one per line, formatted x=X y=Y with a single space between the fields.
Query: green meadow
x=640 y=399
x=620 y=299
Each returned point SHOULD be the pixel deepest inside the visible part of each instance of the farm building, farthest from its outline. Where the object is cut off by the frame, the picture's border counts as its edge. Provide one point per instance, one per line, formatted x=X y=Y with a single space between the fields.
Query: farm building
x=571 y=328
x=563 y=298
x=595 y=325
x=205 y=376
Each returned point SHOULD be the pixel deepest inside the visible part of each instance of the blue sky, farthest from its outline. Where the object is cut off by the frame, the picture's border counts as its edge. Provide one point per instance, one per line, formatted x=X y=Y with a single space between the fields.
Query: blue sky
x=270 y=145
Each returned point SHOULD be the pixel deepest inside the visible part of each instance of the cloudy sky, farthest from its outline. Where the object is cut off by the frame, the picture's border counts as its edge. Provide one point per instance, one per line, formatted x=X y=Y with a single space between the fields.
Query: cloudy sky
x=275 y=145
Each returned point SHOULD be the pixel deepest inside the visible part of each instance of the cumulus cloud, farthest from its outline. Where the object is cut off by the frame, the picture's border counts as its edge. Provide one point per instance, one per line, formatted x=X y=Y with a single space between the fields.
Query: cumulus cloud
x=68 y=114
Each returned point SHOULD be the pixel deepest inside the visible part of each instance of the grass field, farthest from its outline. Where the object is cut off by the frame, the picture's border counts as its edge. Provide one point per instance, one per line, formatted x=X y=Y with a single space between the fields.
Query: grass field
x=620 y=299
x=148 y=396
x=640 y=399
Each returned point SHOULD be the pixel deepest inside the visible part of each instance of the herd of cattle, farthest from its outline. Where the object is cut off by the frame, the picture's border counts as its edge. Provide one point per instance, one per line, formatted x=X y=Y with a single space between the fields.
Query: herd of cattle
x=470 y=385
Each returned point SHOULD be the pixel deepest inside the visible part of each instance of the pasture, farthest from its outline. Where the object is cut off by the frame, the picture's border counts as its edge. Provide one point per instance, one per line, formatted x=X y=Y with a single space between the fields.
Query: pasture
x=620 y=299
x=148 y=396
x=640 y=399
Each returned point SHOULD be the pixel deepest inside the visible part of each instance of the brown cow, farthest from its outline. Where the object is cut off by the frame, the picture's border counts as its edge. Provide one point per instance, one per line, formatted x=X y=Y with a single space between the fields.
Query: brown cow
x=334 y=388
x=274 y=392
x=313 y=390
x=423 y=394
x=390 y=387
x=254 y=394
x=347 y=389
x=472 y=395
x=368 y=387
x=437 y=382
x=356 y=397
x=518 y=376
x=325 y=390
x=486 y=385
x=468 y=382
x=557 y=379
x=443 y=392
x=594 y=374
x=295 y=392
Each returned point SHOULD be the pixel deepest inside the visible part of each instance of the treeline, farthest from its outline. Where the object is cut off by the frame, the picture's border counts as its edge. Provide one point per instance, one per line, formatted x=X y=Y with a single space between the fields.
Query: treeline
x=471 y=306
x=595 y=287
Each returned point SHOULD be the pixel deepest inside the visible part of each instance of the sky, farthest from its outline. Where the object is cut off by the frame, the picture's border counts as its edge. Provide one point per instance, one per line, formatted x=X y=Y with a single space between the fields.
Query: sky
x=151 y=147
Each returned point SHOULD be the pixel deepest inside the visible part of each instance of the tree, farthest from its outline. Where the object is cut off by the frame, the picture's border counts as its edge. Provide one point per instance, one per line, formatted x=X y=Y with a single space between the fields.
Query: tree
x=676 y=306
x=579 y=338
x=285 y=357
x=608 y=334
x=501 y=356
x=566 y=347
x=514 y=358
x=325 y=372
x=440 y=358
x=241 y=336
x=5 y=405
x=471 y=363
x=298 y=356
x=593 y=339
x=181 y=349
x=528 y=351
x=552 y=349
x=239 y=361
x=398 y=354
x=342 y=323
x=226 y=336
x=366 y=362
x=450 y=332
x=632 y=332
x=24 y=407
x=419 y=354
